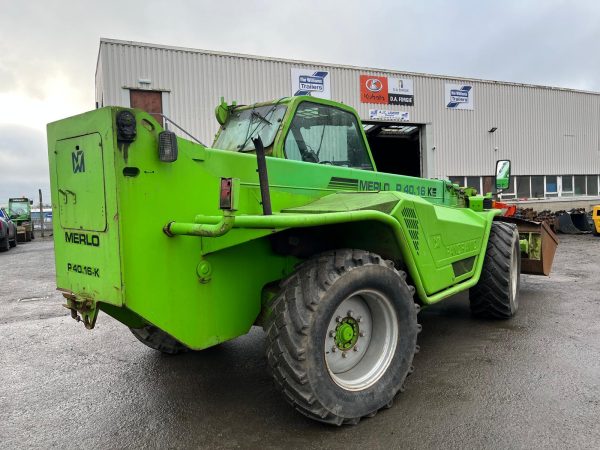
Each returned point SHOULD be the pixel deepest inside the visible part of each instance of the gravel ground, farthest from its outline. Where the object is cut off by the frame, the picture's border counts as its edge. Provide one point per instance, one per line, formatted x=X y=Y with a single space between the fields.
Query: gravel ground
x=531 y=382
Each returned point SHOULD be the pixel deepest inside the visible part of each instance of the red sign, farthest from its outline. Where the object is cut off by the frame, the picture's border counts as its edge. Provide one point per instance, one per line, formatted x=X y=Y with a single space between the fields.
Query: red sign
x=373 y=89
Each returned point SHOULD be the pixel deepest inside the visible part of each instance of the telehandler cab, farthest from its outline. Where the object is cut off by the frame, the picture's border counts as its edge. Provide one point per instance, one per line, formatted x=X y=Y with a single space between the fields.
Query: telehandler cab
x=283 y=223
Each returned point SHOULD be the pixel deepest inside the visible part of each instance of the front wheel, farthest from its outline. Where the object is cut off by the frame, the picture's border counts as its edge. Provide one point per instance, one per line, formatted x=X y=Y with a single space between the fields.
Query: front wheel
x=342 y=336
x=496 y=295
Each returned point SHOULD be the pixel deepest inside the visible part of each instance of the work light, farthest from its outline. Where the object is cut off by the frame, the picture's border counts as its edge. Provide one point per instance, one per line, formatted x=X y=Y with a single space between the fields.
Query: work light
x=167 y=146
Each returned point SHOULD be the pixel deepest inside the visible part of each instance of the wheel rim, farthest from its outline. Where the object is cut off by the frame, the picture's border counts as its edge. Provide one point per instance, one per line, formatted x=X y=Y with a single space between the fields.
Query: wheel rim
x=361 y=340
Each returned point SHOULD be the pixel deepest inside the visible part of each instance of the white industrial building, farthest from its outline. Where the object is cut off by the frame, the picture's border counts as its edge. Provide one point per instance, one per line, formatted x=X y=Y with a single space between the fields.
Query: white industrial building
x=429 y=125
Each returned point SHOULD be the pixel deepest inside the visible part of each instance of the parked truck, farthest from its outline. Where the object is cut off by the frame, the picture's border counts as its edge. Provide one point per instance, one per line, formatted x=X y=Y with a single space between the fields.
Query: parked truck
x=284 y=223
x=20 y=211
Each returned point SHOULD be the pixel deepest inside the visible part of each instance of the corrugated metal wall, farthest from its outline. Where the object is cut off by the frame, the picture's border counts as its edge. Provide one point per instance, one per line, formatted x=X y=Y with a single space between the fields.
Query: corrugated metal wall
x=542 y=130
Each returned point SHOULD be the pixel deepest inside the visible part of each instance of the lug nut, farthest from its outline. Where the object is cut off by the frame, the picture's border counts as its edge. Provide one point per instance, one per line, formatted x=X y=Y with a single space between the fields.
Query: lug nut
x=355 y=348
x=344 y=355
x=334 y=349
x=338 y=319
x=362 y=334
x=332 y=333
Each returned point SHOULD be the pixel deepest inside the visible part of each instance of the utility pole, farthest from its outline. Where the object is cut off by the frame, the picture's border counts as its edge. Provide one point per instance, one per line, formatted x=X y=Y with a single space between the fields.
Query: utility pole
x=41 y=214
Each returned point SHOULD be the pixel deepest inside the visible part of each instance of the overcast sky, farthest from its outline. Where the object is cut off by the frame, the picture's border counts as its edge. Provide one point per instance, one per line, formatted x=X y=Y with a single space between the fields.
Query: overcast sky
x=48 y=49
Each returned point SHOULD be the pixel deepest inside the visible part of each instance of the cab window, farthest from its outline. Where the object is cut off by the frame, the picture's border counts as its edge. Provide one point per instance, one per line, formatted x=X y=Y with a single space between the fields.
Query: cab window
x=326 y=135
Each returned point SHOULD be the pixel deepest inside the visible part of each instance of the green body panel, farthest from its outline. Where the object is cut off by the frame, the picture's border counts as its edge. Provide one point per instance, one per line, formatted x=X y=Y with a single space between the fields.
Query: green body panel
x=205 y=290
x=86 y=223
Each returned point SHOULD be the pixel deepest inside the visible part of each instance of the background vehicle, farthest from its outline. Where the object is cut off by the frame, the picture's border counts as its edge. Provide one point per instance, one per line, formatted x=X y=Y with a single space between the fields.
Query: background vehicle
x=190 y=246
x=20 y=212
x=8 y=231
x=596 y=220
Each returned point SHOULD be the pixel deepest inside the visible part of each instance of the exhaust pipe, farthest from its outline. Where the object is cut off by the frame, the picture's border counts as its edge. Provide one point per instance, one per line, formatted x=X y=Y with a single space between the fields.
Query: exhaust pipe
x=263 y=177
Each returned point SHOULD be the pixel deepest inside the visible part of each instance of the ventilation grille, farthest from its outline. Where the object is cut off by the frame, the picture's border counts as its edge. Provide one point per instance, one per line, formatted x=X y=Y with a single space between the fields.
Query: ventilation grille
x=412 y=224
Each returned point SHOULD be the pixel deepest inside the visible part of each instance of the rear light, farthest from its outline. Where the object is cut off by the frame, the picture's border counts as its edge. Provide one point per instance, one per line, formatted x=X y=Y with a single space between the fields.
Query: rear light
x=167 y=146
x=229 y=194
x=225 y=198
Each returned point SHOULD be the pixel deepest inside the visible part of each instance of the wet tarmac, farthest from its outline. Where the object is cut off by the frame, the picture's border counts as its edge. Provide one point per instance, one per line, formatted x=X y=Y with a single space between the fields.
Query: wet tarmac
x=531 y=382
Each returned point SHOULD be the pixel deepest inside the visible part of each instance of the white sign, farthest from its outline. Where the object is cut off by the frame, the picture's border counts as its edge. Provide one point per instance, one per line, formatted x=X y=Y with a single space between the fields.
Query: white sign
x=311 y=82
x=459 y=96
x=383 y=114
x=400 y=91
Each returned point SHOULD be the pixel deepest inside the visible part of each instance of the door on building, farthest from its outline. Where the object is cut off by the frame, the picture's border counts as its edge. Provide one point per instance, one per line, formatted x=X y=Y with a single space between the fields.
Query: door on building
x=396 y=148
x=149 y=101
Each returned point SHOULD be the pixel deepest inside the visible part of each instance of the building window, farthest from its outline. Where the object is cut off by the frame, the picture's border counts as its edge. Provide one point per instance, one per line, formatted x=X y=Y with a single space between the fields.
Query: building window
x=510 y=192
x=579 y=184
x=488 y=185
x=474 y=182
x=458 y=180
x=523 y=187
x=567 y=186
x=537 y=186
x=551 y=186
x=592 y=185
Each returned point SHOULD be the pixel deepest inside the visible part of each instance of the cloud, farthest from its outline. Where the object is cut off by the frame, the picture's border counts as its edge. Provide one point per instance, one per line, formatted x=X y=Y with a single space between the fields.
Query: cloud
x=23 y=162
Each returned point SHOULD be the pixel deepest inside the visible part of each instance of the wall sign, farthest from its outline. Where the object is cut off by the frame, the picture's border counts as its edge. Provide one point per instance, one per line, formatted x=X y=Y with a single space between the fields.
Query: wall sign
x=387 y=91
x=311 y=82
x=459 y=96
x=383 y=114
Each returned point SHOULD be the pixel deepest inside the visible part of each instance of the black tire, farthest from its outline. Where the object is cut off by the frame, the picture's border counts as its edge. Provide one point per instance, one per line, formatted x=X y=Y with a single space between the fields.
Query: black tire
x=15 y=241
x=496 y=295
x=4 y=244
x=157 y=339
x=298 y=333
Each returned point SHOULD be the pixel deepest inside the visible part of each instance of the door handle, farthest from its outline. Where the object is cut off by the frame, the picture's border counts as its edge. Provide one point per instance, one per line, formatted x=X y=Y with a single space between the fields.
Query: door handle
x=60 y=191
x=73 y=194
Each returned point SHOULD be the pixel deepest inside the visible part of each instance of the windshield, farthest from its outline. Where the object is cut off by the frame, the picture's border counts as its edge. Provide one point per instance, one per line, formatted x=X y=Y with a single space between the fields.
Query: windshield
x=326 y=135
x=247 y=124
x=18 y=208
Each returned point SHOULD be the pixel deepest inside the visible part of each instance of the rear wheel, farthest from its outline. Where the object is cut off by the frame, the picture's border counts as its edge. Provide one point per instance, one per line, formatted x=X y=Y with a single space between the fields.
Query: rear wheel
x=496 y=295
x=342 y=336
x=158 y=340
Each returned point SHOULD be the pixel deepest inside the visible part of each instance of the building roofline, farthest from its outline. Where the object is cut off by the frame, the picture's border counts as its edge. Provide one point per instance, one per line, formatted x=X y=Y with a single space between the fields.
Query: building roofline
x=337 y=66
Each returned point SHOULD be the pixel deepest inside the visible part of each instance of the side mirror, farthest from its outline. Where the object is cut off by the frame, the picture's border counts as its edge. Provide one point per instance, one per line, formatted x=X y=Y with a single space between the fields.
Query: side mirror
x=502 y=174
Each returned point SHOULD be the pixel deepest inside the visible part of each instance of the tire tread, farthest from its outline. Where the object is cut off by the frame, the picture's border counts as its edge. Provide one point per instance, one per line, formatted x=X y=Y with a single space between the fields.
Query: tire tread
x=287 y=328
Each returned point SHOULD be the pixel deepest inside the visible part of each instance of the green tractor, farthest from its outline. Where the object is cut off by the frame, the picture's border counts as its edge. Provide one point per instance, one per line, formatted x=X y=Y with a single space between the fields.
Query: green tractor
x=284 y=223
x=19 y=210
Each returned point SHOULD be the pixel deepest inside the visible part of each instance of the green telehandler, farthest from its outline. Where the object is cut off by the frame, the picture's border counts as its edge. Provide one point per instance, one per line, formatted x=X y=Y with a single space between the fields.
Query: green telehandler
x=19 y=210
x=284 y=223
